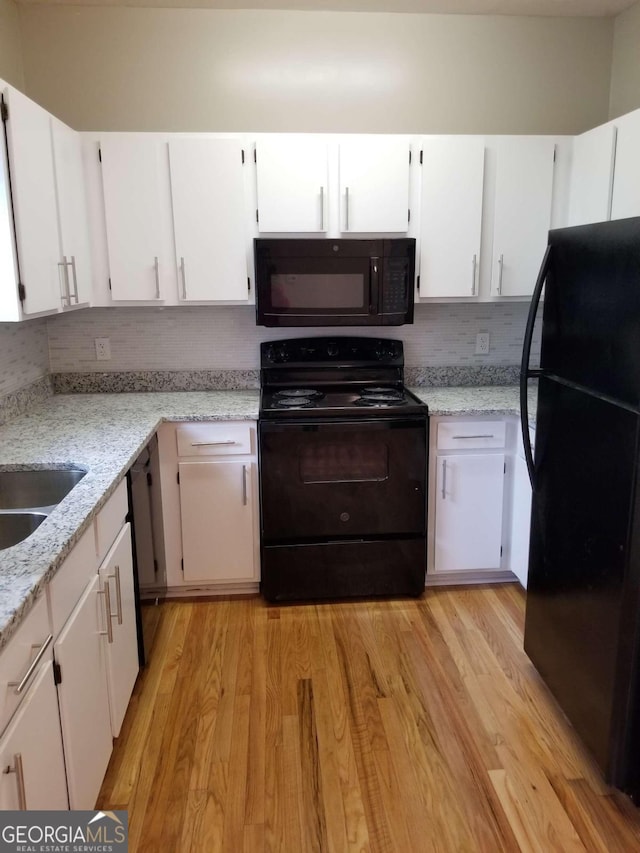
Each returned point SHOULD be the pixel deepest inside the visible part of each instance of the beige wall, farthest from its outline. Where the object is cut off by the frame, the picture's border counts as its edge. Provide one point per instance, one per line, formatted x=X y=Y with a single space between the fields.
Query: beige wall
x=10 y=44
x=625 y=69
x=196 y=69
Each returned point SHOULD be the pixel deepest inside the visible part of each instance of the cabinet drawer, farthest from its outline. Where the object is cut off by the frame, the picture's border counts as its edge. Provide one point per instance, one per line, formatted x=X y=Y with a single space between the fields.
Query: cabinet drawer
x=69 y=582
x=19 y=654
x=470 y=435
x=110 y=520
x=214 y=439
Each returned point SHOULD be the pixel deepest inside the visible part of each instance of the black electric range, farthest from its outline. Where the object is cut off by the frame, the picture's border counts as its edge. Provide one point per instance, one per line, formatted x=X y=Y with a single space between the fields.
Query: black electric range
x=343 y=470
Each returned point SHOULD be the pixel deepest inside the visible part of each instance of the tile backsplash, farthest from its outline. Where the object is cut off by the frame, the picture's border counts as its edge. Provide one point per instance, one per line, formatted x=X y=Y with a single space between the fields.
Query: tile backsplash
x=24 y=354
x=226 y=337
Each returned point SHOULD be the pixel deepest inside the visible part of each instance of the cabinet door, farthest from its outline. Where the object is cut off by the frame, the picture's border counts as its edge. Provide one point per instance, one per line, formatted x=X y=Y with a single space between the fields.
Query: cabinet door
x=216 y=509
x=34 y=202
x=72 y=214
x=626 y=181
x=131 y=169
x=520 y=521
x=592 y=175
x=31 y=750
x=374 y=184
x=116 y=575
x=208 y=218
x=451 y=215
x=292 y=176
x=84 y=698
x=468 y=528
x=522 y=213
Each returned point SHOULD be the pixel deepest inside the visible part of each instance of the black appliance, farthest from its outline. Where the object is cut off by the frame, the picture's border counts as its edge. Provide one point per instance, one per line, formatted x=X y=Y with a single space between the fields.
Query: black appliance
x=343 y=471
x=582 y=627
x=149 y=575
x=334 y=282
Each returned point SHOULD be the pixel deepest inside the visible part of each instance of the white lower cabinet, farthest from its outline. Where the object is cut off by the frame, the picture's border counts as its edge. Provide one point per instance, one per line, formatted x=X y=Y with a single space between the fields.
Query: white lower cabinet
x=84 y=697
x=521 y=514
x=469 y=500
x=217 y=520
x=208 y=475
x=31 y=757
x=469 y=508
x=116 y=582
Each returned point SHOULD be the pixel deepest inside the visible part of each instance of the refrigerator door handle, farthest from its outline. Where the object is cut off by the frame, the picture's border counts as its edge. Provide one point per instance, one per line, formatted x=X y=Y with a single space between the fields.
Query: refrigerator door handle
x=526 y=372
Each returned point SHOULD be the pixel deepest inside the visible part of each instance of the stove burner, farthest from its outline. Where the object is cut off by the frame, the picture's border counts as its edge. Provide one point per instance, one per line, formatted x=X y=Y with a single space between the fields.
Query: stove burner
x=294 y=403
x=297 y=393
x=366 y=392
x=380 y=402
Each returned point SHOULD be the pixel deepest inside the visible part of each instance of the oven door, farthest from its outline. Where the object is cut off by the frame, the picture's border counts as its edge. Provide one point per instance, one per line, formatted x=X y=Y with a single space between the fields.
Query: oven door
x=342 y=480
x=316 y=287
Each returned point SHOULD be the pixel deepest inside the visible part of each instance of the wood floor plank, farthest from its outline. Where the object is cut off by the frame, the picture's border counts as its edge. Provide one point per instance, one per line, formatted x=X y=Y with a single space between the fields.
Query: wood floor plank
x=412 y=725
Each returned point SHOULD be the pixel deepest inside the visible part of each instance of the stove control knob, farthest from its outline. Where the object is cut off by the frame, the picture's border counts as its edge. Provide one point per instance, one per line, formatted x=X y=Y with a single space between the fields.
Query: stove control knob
x=281 y=353
x=332 y=350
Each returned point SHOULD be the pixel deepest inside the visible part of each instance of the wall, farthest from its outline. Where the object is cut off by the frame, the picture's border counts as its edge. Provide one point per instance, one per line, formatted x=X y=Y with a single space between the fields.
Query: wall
x=11 y=67
x=24 y=355
x=625 y=68
x=227 y=337
x=101 y=68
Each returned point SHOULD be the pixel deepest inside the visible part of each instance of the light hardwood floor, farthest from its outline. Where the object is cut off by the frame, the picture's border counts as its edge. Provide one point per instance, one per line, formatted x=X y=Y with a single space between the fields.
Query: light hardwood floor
x=400 y=726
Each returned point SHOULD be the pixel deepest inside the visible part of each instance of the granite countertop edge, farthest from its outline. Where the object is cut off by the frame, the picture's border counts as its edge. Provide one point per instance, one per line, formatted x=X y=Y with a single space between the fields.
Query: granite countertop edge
x=104 y=433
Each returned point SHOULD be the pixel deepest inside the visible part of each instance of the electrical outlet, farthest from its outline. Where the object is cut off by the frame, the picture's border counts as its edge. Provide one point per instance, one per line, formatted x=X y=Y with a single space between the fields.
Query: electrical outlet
x=482 y=343
x=103 y=349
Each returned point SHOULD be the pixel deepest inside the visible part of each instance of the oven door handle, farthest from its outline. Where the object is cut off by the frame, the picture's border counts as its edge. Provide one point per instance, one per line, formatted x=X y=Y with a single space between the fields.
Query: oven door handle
x=374 y=282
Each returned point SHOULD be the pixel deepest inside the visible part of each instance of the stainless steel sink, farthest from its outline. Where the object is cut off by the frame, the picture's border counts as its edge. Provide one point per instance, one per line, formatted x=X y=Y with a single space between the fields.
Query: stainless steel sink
x=27 y=498
x=16 y=526
x=41 y=489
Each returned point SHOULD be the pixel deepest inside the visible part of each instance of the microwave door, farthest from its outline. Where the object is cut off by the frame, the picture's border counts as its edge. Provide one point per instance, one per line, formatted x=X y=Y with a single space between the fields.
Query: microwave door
x=320 y=292
x=374 y=287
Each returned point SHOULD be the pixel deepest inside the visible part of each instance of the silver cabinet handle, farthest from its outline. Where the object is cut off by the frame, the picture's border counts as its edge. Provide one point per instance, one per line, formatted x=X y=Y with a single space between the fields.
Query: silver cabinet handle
x=75 y=278
x=322 y=208
x=19 y=771
x=63 y=271
x=474 y=263
x=184 y=279
x=116 y=577
x=244 y=485
x=473 y=436
x=500 y=269
x=225 y=443
x=107 y=606
x=346 y=218
x=444 y=479
x=156 y=268
x=20 y=685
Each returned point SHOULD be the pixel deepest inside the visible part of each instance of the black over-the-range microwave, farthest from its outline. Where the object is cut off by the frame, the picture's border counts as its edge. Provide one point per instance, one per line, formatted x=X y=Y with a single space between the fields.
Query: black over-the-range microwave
x=324 y=282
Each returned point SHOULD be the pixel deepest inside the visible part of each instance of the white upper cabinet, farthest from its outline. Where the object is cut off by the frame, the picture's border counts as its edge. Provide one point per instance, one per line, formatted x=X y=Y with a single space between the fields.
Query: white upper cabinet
x=138 y=256
x=75 y=257
x=522 y=212
x=209 y=218
x=592 y=175
x=626 y=182
x=451 y=215
x=374 y=184
x=33 y=192
x=293 y=184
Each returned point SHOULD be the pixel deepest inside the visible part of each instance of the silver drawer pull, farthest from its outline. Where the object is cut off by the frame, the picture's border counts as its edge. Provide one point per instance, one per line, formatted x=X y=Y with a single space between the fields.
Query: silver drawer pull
x=19 y=771
x=226 y=443
x=156 y=272
x=116 y=577
x=444 y=479
x=75 y=278
x=107 y=606
x=473 y=436
x=244 y=485
x=20 y=685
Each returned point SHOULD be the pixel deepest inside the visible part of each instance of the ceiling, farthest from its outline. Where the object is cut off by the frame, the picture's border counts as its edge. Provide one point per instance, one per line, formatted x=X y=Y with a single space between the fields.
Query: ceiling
x=559 y=8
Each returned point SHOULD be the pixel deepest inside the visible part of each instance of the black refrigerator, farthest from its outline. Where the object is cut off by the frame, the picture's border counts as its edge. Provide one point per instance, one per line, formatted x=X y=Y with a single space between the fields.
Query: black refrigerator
x=582 y=625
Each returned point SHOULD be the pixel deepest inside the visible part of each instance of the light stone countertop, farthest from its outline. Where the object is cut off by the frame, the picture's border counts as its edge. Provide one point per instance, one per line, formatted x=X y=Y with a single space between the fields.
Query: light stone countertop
x=104 y=433
x=499 y=400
